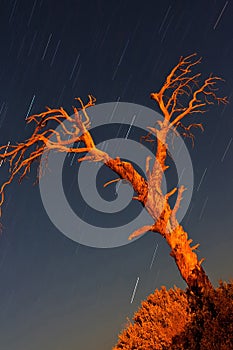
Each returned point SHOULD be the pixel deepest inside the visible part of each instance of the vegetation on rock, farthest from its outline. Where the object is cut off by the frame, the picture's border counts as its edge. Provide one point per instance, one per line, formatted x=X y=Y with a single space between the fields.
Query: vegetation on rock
x=178 y=320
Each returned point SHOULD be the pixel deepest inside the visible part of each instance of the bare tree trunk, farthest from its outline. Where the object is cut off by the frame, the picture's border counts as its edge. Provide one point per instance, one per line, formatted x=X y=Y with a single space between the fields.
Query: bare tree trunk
x=187 y=261
x=166 y=223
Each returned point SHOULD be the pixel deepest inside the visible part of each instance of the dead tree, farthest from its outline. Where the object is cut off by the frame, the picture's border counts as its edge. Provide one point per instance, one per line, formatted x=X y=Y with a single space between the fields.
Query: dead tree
x=181 y=95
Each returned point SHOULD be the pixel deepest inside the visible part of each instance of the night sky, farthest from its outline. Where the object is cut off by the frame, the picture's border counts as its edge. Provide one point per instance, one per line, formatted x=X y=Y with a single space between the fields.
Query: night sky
x=54 y=292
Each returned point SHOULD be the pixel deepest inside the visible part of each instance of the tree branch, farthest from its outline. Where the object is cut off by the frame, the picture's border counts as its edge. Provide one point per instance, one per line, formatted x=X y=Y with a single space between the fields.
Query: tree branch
x=22 y=155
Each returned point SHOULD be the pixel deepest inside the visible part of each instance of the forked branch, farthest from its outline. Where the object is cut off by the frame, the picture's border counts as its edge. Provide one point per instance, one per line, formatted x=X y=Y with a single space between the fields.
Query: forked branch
x=181 y=82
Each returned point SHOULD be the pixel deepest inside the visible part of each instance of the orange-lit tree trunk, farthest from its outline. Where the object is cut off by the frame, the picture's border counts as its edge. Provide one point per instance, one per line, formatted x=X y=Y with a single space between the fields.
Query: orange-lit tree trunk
x=179 y=83
x=186 y=259
x=167 y=225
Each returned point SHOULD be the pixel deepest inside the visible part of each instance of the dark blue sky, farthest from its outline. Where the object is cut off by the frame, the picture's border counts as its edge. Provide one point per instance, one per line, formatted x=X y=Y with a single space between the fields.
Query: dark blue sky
x=55 y=293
